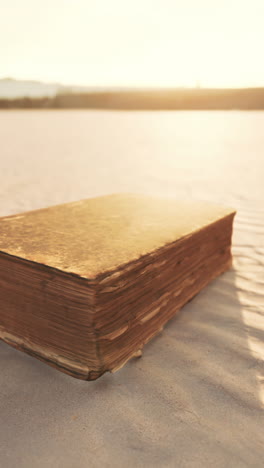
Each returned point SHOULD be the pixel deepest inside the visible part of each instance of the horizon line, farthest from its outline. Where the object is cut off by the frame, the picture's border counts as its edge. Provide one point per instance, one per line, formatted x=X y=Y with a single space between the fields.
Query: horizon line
x=129 y=87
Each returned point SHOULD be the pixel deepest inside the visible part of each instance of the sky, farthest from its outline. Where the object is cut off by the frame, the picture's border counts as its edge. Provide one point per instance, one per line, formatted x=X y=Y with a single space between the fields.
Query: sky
x=138 y=43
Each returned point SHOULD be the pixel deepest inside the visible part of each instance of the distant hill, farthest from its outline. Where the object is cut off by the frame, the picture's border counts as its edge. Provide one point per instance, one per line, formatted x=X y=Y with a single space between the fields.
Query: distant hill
x=11 y=88
x=15 y=94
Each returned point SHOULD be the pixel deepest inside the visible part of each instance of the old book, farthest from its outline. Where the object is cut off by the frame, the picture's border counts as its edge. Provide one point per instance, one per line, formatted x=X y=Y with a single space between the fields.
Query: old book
x=83 y=286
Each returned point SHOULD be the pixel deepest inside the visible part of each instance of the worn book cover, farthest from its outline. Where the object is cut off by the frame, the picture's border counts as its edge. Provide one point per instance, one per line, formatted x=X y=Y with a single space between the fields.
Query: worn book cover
x=84 y=285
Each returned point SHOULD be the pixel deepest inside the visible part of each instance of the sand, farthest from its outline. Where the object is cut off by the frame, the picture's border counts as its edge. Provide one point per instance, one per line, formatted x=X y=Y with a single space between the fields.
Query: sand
x=195 y=398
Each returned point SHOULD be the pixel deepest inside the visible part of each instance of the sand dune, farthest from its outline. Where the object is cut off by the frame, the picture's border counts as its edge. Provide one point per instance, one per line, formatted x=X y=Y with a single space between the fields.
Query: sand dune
x=195 y=398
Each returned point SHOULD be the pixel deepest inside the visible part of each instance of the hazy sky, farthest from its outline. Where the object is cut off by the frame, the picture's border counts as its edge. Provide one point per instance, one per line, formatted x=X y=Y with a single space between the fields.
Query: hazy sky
x=134 y=42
